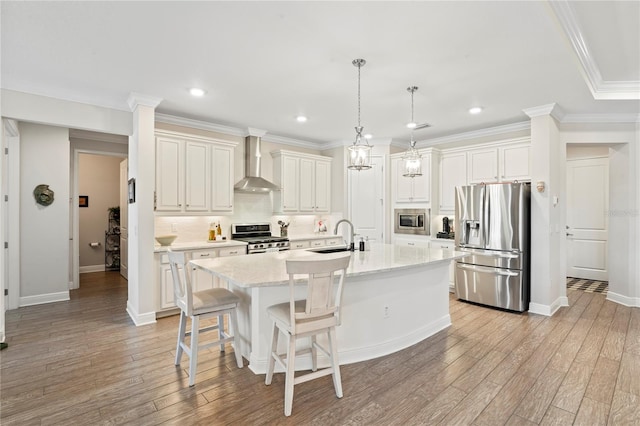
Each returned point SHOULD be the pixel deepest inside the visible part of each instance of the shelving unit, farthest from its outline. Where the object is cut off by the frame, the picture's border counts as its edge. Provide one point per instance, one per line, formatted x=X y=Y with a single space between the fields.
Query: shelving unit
x=112 y=242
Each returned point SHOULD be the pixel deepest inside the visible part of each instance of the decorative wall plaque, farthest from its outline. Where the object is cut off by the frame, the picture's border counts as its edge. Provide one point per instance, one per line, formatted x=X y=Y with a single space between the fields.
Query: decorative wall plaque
x=43 y=195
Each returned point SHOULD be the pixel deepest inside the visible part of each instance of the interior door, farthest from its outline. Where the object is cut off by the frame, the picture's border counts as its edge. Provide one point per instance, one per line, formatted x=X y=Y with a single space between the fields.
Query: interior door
x=124 y=218
x=587 y=221
x=366 y=189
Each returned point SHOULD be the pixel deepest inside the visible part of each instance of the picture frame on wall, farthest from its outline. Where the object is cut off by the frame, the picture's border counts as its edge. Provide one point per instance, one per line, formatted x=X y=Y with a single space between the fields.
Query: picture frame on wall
x=132 y=190
x=83 y=201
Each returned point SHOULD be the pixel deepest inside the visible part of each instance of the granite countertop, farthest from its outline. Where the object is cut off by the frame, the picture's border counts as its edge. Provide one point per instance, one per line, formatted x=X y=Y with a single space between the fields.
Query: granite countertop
x=268 y=269
x=196 y=245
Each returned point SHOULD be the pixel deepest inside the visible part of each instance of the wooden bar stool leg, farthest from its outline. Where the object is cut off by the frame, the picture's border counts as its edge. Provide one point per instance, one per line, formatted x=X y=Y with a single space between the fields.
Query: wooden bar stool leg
x=181 y=334
x=289 y=379
x=271 y=362
x=314 y=354
x=193 y=362
x=233 y=320
x=221 y=330
x=333 y=348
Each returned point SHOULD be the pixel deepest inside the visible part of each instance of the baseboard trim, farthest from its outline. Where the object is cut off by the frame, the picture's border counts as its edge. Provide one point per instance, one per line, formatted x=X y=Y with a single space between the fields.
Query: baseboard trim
x=41 y=299
x=548 y=310
x=633 y=302
x=91 y=268
x=140 y=319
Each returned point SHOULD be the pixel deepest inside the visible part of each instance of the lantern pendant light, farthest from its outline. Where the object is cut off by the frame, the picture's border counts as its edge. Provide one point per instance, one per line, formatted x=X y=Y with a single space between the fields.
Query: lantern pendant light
x=412 y=160
x=360 y=151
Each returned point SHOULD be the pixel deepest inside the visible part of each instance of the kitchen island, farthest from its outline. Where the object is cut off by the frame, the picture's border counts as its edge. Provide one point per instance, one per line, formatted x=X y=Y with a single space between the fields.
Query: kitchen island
x=394 y=296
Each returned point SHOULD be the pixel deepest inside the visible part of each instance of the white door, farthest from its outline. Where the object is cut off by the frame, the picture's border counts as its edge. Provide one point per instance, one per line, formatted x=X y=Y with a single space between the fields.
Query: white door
x=366 y=189
x=587 y=222
x=124 y=218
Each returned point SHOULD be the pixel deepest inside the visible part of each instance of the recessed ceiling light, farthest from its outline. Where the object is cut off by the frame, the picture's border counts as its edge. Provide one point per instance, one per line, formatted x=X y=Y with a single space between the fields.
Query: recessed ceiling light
x=196 y=92
x=475 y=110
x=301 y=119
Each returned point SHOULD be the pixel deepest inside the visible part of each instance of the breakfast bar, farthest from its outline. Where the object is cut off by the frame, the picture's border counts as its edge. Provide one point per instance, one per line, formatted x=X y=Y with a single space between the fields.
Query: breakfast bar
x=394 y=296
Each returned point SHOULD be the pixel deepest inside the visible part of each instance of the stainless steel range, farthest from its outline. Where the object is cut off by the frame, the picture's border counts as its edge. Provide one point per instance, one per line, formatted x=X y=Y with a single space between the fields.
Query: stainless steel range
x=258 y=237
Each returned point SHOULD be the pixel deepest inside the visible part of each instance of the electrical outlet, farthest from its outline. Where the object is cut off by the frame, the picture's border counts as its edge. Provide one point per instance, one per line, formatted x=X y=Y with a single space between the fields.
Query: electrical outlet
x=386 y=312
x=174 y=227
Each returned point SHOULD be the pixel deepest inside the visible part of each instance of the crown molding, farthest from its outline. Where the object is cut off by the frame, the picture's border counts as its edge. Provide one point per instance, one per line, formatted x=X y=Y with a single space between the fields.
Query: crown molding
x=491 y=131
x=550 y=109
x=601 y=118
x=11 y=127
x=136 y=99
x=201 y=125
x=600 y=89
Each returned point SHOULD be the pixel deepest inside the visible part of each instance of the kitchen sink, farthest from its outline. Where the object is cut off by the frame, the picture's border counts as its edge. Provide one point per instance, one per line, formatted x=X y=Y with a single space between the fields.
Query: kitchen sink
x=330 y=250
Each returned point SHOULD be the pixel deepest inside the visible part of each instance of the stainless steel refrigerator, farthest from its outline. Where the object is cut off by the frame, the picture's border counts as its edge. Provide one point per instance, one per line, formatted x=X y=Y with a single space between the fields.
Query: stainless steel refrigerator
x=493 y=225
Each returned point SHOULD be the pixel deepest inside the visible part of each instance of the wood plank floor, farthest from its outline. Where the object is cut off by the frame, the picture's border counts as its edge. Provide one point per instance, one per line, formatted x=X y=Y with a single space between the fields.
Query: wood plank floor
x=83 y=362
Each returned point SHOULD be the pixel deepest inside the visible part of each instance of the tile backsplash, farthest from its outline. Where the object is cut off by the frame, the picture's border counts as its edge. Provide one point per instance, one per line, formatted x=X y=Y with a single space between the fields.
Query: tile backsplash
x=249 y=208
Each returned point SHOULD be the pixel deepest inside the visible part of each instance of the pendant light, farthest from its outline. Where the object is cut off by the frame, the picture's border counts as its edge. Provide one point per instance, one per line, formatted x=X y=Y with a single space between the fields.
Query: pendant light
x=360 y=151
x=412 y=159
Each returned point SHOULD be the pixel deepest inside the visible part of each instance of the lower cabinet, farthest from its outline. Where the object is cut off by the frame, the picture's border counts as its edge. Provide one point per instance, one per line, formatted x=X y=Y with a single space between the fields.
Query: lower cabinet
x=447 y=245
x=316 y=242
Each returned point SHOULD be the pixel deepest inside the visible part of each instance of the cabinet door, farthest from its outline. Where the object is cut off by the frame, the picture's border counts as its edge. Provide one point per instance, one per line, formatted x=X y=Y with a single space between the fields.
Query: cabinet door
x=515 y=163
x=307 y=185
x=483 y=165
x=322 y=186
x=402 y=186
x=422 y=184
x=222 y=179
x=201 y=279
x=290 y=184
x=166 y=288
x=196 y=176
x=453 y=172
x=169 y=174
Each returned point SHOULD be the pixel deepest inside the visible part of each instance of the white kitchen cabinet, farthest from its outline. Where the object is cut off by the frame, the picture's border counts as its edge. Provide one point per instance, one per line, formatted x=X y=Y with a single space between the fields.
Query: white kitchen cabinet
x=169 y=174
x=515 y=163
x=304 y=181
x=197 y=180
x=222 y=178
x=408 y=241
x=328 y=241
x=193 y=174
x=499 y=164
x=453 y=172
x=407 y=189
x=445 y=244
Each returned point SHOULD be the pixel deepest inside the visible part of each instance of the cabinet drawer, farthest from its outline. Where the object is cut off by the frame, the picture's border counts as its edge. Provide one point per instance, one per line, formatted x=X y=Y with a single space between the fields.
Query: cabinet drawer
x=164 y=258
x=333 y=241
x=203 y=254
x=297 y=245
x=318 y=243
x=232 y=251
x=447 y=245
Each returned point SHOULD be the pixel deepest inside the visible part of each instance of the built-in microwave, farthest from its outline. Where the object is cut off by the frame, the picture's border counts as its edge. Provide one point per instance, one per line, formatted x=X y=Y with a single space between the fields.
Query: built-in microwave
x=412 y=221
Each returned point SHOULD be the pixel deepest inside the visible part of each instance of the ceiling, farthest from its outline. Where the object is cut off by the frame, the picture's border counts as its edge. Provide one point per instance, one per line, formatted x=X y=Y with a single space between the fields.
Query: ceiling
x=263 y=63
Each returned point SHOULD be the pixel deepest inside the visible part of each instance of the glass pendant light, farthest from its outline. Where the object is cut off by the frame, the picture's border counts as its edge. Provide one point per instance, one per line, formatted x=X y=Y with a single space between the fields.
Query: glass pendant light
x=360 y=151
x=412 y=159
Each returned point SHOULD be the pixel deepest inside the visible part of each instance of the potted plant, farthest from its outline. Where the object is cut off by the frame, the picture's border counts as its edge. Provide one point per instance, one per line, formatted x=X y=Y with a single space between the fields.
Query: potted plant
x=114 y=212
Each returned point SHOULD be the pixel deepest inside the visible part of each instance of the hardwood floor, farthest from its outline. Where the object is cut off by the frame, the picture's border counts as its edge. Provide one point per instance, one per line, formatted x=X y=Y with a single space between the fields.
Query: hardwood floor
x=83 y=362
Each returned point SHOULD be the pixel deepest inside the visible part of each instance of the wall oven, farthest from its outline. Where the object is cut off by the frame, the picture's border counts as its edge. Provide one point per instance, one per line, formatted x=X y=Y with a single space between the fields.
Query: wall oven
x=412 y=221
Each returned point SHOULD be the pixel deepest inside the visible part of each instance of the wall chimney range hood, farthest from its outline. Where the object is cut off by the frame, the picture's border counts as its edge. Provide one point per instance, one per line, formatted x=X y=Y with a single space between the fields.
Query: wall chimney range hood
x=253 y=183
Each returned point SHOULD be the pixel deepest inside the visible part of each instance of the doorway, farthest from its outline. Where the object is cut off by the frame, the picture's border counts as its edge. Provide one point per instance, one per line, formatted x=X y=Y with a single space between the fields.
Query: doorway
x=587 y=213
x=366 y=195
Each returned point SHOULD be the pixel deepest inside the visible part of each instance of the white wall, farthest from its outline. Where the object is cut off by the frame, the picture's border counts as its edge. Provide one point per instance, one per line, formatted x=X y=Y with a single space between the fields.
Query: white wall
x=44 y=231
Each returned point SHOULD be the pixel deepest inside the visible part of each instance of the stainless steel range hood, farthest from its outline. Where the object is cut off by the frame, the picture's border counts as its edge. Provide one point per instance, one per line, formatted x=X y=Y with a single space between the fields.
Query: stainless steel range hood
x=253 y=182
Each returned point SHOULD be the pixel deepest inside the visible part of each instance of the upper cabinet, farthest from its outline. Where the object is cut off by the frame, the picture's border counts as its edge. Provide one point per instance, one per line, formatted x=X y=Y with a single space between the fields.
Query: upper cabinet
x=193 y=174
x=304 y=181
x=499 y=164
x=453 y=172
x=411 y=189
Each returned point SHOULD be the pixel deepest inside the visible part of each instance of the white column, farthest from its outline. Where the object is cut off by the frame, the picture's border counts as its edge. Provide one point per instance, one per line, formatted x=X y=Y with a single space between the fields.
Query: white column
x=142 y=292
x=548 y=258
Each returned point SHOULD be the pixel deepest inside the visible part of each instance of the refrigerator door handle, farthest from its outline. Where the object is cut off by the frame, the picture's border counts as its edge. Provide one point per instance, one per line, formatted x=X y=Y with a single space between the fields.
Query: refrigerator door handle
x=496 y=271
x=502 y=254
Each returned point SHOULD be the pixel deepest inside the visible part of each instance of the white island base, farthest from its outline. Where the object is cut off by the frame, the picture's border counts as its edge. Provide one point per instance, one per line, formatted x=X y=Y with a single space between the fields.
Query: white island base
x=393 y=298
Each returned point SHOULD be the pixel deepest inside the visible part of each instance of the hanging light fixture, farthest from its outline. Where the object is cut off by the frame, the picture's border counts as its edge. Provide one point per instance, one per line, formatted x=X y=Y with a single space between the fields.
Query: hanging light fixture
x=360 y=151
x=412 y=159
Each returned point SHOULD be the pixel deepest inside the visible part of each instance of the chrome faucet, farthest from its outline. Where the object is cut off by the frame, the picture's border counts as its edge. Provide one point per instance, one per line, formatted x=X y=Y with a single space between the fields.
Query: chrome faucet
x=352 y=244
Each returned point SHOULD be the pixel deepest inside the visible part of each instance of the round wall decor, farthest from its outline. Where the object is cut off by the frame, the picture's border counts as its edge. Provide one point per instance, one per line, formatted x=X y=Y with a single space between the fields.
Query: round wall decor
x=43 y=195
